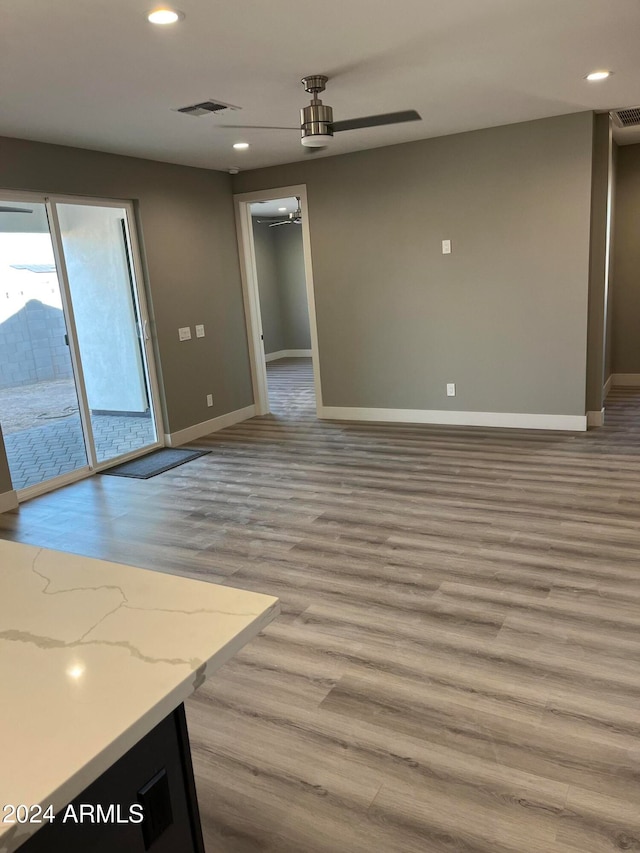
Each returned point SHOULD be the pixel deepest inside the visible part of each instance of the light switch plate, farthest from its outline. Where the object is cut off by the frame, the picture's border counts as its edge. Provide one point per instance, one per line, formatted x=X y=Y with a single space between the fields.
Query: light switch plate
x=446 y=247
x=200 y=331
x=184 y=333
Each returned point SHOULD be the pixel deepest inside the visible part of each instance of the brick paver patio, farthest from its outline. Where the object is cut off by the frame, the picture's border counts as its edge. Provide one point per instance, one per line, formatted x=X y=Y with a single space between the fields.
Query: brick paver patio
x=42 y=452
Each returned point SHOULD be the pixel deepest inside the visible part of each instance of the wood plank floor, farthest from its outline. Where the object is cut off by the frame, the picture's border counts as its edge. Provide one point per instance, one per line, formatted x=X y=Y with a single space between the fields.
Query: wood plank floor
x=457 y=666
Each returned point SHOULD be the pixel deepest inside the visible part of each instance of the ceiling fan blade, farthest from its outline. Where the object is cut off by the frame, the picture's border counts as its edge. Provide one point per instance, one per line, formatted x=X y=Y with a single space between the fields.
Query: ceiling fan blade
x=283 y=222
x=258 y=127
x=375 y=121
x=4 y=209
x=262 y=221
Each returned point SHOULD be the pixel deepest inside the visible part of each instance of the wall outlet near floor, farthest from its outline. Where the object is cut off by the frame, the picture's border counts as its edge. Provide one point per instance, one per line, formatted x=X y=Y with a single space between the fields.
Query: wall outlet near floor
x=200 y=331
x=184 y=333
x=451 y=389
x=209 y=399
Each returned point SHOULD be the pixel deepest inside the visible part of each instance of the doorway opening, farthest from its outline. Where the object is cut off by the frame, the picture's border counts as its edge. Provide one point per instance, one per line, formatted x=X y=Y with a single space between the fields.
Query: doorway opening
x=77 y=387
x=274 y=242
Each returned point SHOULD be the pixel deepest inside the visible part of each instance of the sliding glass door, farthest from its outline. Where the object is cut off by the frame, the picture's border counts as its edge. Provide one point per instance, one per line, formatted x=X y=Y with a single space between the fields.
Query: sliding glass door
x=39 y=409
x=76 y=372
x=110 y=333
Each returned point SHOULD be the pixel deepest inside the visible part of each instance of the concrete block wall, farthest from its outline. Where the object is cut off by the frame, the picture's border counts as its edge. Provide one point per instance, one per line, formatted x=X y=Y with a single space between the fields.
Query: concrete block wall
x=32 y=346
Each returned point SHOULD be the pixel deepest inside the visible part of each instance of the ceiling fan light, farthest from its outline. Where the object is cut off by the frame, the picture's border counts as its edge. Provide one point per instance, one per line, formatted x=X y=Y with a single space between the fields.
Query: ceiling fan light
x=317 y=140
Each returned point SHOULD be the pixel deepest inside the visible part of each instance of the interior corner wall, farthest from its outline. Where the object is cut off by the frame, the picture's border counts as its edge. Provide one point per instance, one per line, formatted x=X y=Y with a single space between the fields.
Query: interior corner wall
x=268 y=287
x=293 y=287
x=504 y=316
x=625 y=339
x=282 y=287
x=598 y=260
x=186 y=224
x=608 y=348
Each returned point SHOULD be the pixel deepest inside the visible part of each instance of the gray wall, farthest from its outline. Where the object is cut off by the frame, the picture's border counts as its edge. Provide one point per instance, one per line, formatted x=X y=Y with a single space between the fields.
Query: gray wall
x=188 y=236
x=268 y=286
x=504 y=316
x=282 y=287
x=293 y=286
x=625 y=332
x=598 y=273
x=608 y=349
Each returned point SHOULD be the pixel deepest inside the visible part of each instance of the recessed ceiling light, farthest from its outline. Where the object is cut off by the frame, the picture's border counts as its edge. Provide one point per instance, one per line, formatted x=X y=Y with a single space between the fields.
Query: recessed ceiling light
x=239 y=146
x=598 y=75
x=164 y=15
x=282 y=209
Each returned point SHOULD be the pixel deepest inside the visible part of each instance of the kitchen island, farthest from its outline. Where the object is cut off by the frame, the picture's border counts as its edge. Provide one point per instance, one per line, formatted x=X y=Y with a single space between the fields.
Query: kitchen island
x=96 y=659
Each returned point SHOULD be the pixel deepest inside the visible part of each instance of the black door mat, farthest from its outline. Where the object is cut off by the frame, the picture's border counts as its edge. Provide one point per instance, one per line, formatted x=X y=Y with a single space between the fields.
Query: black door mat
x=155 y=463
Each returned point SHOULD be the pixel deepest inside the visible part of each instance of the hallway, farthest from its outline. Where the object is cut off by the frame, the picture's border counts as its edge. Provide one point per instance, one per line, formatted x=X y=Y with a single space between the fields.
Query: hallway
x=291 y=392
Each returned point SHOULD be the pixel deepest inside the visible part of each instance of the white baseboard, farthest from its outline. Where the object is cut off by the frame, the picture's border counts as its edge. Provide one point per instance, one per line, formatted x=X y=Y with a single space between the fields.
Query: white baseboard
x=625 y=379
x=515 y=420
x=288 y=353
x=8 y=501
x=607 y=386
x=192 y=433
x=595 y=419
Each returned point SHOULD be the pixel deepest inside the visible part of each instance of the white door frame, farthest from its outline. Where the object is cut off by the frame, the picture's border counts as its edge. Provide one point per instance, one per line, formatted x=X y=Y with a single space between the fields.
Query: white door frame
x=250 y=293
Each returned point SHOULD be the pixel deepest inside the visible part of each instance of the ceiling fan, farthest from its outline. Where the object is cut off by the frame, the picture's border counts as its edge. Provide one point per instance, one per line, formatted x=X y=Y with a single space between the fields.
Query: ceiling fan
x=5 y=209
x=294 y=218
x=316 y=120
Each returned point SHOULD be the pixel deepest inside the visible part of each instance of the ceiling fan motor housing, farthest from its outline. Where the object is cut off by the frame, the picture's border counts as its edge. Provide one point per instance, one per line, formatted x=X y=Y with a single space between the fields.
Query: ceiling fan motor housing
x=316 y=120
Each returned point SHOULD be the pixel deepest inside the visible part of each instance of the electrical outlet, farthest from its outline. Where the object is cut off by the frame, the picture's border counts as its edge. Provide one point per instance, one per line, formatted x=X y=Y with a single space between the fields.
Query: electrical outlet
x=451 y=389
x=200 y=331
x=209 y=399
x=184 y=333
x=446 y=247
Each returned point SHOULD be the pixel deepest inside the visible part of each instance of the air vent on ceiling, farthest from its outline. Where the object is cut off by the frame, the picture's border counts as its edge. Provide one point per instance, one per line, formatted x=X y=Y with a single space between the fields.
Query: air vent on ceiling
x=206 y=108
x=627 y=118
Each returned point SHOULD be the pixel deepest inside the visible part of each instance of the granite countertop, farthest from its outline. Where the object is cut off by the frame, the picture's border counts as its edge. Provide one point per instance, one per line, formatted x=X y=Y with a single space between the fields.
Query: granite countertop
x=93 y=655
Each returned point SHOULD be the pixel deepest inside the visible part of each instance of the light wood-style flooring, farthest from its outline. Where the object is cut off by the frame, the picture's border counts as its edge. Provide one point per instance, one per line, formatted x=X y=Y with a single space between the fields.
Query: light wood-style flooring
x=457 y=666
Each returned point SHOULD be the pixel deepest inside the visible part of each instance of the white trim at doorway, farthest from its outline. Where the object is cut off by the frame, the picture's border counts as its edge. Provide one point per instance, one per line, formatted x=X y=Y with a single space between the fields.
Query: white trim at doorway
x=289 y=353
x=249 y=275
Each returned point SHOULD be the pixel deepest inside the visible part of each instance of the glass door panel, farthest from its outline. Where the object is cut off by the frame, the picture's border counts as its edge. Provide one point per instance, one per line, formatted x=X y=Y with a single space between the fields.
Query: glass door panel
x=39 y=410
x=101 y=279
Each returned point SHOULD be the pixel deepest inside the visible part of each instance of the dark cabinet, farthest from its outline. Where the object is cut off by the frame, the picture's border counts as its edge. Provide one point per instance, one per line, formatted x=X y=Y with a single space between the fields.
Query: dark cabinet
x=145 y=801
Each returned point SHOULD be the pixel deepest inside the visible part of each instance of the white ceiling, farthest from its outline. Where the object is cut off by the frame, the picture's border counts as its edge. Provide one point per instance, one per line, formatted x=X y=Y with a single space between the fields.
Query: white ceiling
x=271 y=208
x=98 y=75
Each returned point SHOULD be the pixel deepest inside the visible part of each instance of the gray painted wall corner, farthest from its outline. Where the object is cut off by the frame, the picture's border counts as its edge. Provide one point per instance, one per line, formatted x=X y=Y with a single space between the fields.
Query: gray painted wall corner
x=282 y=287
x=268 y=286
x=598 y=260
x=625 y=340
